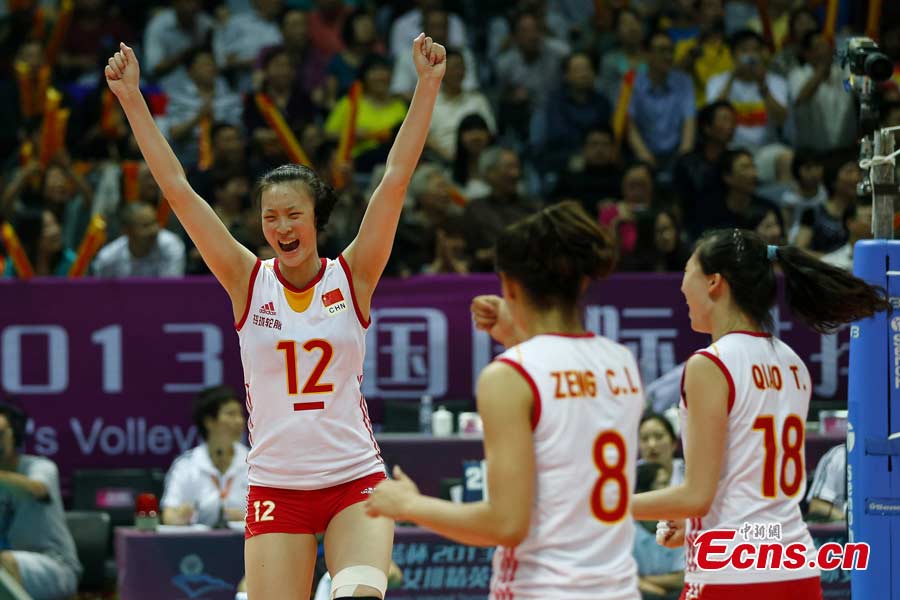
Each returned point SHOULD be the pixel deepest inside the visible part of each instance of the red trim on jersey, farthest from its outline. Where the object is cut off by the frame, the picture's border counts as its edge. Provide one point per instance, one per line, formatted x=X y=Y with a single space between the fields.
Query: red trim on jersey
x=308 y=286
x=364 y=322
x=253 y=273
x=586 y=334
x=536 y=411
x=681 y=385
x=718 y=362
x=363 y=407
x=761 y=334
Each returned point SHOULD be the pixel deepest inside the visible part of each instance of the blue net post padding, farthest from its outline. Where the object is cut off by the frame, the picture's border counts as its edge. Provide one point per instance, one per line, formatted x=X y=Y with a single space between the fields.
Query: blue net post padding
x=873 y=458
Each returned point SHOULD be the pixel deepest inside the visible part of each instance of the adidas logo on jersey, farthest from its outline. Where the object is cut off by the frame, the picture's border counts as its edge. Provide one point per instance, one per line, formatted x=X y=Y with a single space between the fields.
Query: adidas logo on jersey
x=368 y=491
x=267 y=309
x=334 y=302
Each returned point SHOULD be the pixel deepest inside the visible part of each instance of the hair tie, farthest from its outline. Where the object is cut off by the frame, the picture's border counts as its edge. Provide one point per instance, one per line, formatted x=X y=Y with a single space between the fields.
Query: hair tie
x=772 y=253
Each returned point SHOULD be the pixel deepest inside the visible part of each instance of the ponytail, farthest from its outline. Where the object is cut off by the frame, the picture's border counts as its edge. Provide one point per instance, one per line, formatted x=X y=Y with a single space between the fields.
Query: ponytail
x=824 y=296
x=821 y=295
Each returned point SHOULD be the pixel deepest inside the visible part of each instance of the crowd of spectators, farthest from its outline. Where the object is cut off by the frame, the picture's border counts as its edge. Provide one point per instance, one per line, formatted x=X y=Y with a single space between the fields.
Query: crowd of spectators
x=663 y=119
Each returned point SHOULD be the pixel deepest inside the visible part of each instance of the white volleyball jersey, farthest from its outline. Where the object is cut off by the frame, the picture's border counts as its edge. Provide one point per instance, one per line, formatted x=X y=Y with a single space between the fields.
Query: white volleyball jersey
x=763 y=473
x=588 y=401
x=302 y=351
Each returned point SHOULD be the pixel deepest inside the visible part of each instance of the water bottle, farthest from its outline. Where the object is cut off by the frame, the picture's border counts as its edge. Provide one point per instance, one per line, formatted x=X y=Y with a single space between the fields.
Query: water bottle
x=426 y=407
x=442 y=422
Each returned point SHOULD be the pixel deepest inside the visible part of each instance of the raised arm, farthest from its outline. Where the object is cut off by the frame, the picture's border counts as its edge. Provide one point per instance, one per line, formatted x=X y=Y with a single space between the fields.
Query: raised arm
x=368 y=254
x=230 y=262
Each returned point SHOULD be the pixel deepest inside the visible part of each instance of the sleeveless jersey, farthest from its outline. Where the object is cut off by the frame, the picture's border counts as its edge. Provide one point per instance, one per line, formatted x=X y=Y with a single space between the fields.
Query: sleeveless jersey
x=302 y=352
x=763 y=473
x=588 y=401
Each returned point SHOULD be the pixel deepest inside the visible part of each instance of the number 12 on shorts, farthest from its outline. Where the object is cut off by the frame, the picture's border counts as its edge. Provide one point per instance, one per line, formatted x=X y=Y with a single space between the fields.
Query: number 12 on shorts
x=267 y=508
x=313 y=384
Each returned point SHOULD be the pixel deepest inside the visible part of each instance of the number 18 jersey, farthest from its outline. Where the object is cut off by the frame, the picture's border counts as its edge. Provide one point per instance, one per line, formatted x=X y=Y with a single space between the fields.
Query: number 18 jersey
x=588 y=400
x=763 y=473
x=302 y=352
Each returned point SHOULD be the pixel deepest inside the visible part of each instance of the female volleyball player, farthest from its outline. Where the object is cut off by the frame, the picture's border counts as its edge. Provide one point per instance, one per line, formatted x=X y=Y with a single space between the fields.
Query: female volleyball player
x=561 y=409
x=743 y=410
x=301 y=322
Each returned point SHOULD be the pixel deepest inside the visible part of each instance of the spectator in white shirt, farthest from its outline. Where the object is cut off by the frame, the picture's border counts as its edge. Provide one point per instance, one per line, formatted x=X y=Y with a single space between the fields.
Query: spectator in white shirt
x=827 y=495
x=204 y=94
x=409 y=25
x=144 y=251
x=453 y=103
x=208 y=483
x=171 y=35
x=403 y=81
x=760 y=99
x=238 y=42
x=824 y=113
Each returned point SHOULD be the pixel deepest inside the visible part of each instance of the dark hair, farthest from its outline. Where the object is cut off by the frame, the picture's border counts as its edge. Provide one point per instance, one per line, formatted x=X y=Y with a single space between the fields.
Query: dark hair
x=453 y=51
x=552 y=252
x=193 y=53
x=348 y=34
x=127 y=212
x=743 y=35
x=28 y=224
x=18 y=421
x=667 y=425
x=820 y=295
x=807 y=40
x=323 y=195
x=599 y=127
x=208 y=404
x=271 y=53
x=795 y=15
x=454 y=226
x=706 y=116
x=729 y=158
x=220 y=126
x=645 y=476
x=618 y=17
x=832 y=173
x=567 y=61
x=461 y=162
x=372 y=61
x=804 y=157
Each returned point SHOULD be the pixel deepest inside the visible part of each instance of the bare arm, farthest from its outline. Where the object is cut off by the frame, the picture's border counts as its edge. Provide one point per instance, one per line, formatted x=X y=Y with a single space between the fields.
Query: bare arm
x=505 y=403
x=638 y=145
x=230 y=262
x=20 y=483
x=368 y=254
x=707 y=392
x=688 y=135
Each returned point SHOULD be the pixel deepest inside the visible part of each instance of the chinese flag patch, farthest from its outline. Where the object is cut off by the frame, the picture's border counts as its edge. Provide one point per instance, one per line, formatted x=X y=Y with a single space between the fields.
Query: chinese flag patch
x=332 y=297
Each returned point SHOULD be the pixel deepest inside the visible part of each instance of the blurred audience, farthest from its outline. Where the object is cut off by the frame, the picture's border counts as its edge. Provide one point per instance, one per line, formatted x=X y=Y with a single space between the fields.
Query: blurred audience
x=487 y=216
x=39 y=552
x=145 y=250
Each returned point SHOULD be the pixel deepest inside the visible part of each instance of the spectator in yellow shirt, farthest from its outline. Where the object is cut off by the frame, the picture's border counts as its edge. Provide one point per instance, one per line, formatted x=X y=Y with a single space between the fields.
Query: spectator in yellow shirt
x=378 y=115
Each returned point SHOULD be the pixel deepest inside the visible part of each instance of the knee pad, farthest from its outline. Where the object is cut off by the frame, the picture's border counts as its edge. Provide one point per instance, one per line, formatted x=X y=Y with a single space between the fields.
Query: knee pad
x=345 y=582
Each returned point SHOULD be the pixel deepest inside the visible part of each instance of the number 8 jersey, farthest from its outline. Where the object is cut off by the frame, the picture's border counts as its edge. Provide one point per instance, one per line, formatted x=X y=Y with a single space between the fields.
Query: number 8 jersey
x=588 y=401
x=763 y=474
x=302 y=352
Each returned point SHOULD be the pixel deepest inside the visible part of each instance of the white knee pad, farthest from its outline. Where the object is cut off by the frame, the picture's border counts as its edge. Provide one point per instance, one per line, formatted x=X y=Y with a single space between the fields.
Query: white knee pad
x=345 y=582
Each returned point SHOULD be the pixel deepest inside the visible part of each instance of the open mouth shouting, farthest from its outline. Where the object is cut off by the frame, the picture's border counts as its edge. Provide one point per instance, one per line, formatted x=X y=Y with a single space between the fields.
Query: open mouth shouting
x=289 y=246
